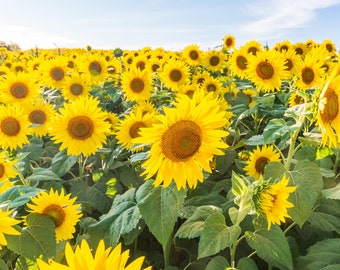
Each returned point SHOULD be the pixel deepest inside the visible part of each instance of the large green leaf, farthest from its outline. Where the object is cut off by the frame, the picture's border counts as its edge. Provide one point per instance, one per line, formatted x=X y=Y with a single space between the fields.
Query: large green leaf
x=276 y=129
x=18 y=196
x=332 y=193
x=246 y=264
x=216 y=235
x=272 y=246
x=37 y=239
x=218 y=262
x=42 y=174
x=159 y=207
x=307 y=177
x=193 y=226
x=323 y=255
x=62 y=163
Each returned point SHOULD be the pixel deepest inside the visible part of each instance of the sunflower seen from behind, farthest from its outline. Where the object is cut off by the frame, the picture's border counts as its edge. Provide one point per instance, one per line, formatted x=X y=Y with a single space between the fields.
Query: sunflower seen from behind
x=82 y=257
x=184 y=141
x=61 y=208
x=80 y=127
x=259 y=158
x=6 y=226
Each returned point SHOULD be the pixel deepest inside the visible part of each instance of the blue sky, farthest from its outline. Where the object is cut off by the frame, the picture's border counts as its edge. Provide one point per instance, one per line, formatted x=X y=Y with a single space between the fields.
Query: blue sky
x=171 y=24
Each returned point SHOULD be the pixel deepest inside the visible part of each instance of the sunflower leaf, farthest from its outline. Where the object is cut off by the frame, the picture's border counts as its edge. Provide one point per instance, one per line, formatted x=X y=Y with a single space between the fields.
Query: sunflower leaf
x=216 y=235
x=18 y=196
x=37 y=239
x=62 y=163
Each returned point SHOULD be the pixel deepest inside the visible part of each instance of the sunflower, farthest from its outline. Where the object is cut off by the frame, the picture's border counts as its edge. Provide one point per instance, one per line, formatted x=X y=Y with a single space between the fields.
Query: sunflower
x=330 y=47
x=13 y=127
x=129 y=127
x=175 y=74
x=328 y=115
x=291 y=60
x=188 y=89
x=94 y=66
x=5 y=185
x=19 y=88
x=199 y=77
x=184 y=141
x=113 y=120
x=53 y=72
x=140 y=62
x=229 y=42
x=238 y=62
x=76 y=85
x=282 y=46
x=272 y=202
x=213 y=85
x=295 y=99
x=192 y=55
x=6 y=226
x=252 y=47
x=103 y=259
x=250 y=93
x=300 y=48
x=258 y=160
x=214 y=60
x=80 y=127
x=137 y=84
x=40 y=116
x=7 y=170
x=267 y=70
x=60 y=208
x=145 y=106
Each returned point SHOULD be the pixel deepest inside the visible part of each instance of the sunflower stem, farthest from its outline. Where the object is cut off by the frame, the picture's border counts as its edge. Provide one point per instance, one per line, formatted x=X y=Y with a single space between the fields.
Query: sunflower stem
x=166 y=251
x=233 y=252
x=81 y=167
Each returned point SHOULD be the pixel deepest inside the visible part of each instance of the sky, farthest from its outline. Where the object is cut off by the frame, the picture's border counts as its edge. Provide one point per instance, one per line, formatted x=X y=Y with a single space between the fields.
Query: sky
x=170 y=24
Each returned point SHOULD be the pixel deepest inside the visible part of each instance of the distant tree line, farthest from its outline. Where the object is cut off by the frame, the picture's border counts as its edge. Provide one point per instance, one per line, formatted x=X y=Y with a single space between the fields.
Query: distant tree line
x=10 y=46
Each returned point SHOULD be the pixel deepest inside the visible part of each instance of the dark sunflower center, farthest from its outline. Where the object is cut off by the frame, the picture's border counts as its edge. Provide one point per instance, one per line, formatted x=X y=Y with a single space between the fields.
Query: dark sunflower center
x=193 y=55
x=95 y=68
x=80 y=127
x=284 y=48
x=140 y=65
x=10 y=126
x=2 y=170
x=288 y=64
x=260 y=164
x=19 y=68
x=56 y=213
x=241 y=62
x=265 y=70
x=137 y=85
x=111 y=69
x=229 y=42
x=154 y=67
x=211 y=87
x=19 y=90
x=331 y=109
x=252 y=50
x=76 y=89
x=298 y=99
x=181 y=141
x=307 y=75
x=135 y=128
x=299 y=51
x=175 y=75
x=329 y=47
x=70 y=64
x=214 y=60
x=37 y=117
x=57 y=74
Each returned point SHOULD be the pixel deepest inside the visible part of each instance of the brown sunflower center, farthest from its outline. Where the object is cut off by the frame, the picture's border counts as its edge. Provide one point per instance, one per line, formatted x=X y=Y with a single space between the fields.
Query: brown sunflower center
x=37 y=117
x=284 y=48
x=214 y=60
x=19 y=90
x=228 y=42
x=307 y=75
x=111 y=69
x=193 y=55
x=181 y=141
x=57 y=74
x=137 y=85
x=241 y=62
x=2 y=170
x=140 y=65
x=260 y=164
x=265 y=70
x=253 y=50
x=10 y=126
x=329 y=47
x=19 y=69
x=175 y=75
x=80 y=127
x=154 y=67
x=76 y=89
x=299 y=51
x=288 y=64
x=298 y=99
x=56 y=213
x=95 y=68
x=211 y=87
x=331 y=108
x=135 y=128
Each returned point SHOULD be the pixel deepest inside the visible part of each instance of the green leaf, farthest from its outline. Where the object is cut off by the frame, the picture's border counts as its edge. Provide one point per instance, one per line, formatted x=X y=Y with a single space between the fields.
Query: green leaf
x=18 y=196
x=224 y=162
x=23 y=263
x=34 y=148
x=128 y=177
x=3 y=265
x=238 y=185
x=62 y=163
x=193 y=226
x=274 y=171
x=42 y=174
x=246 y=264
x=275 y=129
x=159 y=207
x=332 y=193
x=307 y=177
x=216 y=235
x=217 y=262
x=272 y=246
x=255 y=140
x=37 y=239
x=323 y=255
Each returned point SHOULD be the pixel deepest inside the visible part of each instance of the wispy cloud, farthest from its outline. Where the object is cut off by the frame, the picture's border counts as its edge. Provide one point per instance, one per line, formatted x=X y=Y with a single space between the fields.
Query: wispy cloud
x=273 y=19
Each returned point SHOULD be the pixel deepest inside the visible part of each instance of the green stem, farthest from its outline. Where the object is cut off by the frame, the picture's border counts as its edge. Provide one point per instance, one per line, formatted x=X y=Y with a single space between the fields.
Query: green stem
x=289 y=227
x=80 y=167
x=337 y=160
x=166 y=251
x=233 y=252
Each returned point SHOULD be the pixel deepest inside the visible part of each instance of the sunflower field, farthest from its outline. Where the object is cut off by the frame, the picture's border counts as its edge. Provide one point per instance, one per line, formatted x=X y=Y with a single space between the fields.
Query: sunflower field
x=225 y=158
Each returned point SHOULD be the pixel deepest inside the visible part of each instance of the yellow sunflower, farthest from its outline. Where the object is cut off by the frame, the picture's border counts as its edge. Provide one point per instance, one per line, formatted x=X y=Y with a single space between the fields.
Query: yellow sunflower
x=282 y=46
x=40 y=116
x=267 y=70
x=330 y=47
x=238 y=62
x=213 y=85
x=53 y=72
x=328 y=115
x=184 y=141
x=113 y=120
x=5 y=185
x=250 y=93
x=214 y=60
x=252 y=47
x=175 y=74
x=7 y=170
x=192 y=55
x=272 y=201
x=300 y=48
x=291 y=60
x=145 y=106
x=137 y=84
x=199 y=77
x=295 y=99
x=103 y=259
x=94 y=66
x=229 y=42
x=19 y=88
x=129 y=127
x=6 y=226
x=13 y=127
x=259 y=158
x=60 y=208
x=80 y=127
x=76 y=85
